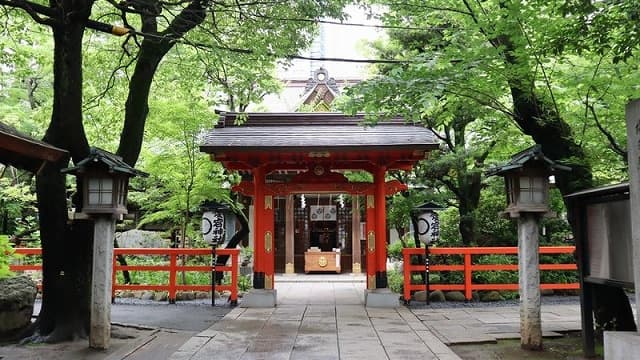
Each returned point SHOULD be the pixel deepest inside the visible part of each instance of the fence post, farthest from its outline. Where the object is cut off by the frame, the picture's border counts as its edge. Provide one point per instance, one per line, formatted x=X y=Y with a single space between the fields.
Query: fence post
x=234 y=278
x=467 y=276
x=406 y=270
x=172 y=277
x=114 y=278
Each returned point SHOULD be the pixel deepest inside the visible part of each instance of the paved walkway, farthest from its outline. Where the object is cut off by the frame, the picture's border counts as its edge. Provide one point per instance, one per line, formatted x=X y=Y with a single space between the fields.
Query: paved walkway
x=323 y=319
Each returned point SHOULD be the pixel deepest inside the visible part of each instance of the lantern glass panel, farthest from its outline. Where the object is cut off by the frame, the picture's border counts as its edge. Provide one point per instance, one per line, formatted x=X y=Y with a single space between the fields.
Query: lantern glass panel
x=100 y=191
x=122 y=191
x=532 y=190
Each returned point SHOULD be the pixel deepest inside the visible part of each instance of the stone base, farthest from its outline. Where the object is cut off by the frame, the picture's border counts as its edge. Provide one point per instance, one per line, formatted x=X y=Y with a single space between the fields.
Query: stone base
x=621 y=344
x=381 y=298
x=259 y=298
x=288 y=268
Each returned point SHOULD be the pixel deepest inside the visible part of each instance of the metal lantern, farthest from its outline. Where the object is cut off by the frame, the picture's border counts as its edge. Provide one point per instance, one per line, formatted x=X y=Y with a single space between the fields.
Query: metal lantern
x=105 y=179
x=527 y=181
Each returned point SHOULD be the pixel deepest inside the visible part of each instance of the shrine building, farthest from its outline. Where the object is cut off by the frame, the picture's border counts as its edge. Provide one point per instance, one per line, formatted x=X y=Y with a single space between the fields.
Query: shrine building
x=307 y=215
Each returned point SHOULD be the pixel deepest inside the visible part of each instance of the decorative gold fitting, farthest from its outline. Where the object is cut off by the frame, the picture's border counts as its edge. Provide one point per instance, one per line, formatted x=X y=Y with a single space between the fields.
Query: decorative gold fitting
x=268 y=241
x=371 y=240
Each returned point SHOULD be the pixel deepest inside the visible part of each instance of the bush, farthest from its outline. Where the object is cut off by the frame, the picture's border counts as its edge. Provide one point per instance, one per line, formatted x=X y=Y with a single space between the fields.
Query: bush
x=496 y=277
x=6 y=253
x=394 y=251
x=395 y=280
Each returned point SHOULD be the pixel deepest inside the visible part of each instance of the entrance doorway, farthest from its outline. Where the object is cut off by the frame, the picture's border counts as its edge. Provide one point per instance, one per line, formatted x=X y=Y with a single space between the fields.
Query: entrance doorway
x=321 y=223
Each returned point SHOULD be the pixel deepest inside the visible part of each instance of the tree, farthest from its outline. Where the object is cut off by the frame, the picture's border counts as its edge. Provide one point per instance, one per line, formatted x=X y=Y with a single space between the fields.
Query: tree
x=515 y=49
x=66 y=248
x=468 y=132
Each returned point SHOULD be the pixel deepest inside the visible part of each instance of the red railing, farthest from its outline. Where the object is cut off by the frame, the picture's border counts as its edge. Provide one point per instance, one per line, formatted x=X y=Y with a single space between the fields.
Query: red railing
x=468 y=267
x=172 y=268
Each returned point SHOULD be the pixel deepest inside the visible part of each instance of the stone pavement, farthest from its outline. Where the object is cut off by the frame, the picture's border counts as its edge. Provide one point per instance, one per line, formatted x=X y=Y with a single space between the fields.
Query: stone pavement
x=324 y=318
x=455 y=326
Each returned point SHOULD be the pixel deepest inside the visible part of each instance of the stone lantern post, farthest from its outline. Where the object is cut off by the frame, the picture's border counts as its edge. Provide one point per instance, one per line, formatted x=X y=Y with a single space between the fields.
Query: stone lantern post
x=527 y=186
x=104 y=178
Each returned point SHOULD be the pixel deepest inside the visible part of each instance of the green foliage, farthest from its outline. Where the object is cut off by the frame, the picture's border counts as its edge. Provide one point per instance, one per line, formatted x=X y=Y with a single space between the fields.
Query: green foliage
x=180 y=177
x=395 y=280
x=394 y=250
x=495 y=277
x=17 y=205
x=495 y=229
x=449 y=221
x=6 y=253
x=244 y=283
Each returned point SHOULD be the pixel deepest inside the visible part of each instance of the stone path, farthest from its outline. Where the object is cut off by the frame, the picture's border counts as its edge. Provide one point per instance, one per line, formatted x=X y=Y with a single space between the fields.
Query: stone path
x=316 y=332
x=489 y=324
x=323 y=317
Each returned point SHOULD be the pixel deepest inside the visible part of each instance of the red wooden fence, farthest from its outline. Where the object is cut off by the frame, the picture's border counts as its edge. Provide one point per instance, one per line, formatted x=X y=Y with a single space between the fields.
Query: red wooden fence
x=172 y=268
x=468 y=267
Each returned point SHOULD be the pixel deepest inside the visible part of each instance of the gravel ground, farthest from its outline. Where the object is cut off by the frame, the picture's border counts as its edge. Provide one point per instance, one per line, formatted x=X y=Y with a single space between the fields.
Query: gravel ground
x=546 y=300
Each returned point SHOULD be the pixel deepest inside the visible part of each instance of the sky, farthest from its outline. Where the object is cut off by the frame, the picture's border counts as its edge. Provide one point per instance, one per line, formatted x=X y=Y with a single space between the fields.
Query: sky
x=334 y=41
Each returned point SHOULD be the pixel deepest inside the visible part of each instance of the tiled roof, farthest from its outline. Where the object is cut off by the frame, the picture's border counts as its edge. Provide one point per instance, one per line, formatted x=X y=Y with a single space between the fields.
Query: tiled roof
x=307 y=131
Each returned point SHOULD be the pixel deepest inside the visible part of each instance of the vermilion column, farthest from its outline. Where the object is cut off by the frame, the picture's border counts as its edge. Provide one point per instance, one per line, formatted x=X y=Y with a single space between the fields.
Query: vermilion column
x=268 y=239
x=381 y=227
x=258 y=237
x=370 y=238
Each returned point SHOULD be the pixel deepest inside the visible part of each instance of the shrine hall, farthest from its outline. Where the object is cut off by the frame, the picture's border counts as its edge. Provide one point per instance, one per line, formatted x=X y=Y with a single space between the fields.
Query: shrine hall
x=308 y=217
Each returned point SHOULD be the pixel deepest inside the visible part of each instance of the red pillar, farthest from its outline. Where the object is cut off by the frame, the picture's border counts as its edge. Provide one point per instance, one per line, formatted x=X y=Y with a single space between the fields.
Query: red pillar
x=258 y=219
x=381 y=226
x=370 y=238
x=268 y=236
x=264 y=262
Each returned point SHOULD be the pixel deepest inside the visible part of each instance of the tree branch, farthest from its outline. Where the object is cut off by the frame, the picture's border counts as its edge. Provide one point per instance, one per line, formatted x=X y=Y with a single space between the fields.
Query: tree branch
x=612 y=141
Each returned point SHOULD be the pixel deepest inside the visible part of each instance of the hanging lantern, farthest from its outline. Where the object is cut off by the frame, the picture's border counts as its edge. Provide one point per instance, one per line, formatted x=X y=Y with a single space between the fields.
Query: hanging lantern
x=428 y=222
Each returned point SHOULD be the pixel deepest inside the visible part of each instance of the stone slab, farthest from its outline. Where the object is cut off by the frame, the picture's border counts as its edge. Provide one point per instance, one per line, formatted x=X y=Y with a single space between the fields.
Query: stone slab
x=259 y=298
x=381 y=298
x=621 y=344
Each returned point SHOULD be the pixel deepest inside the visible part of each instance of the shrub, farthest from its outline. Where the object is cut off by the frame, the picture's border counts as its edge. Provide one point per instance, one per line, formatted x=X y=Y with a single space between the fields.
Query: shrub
x=6 y=253
x=396 y=281
x=495 y=277
x=394 y=251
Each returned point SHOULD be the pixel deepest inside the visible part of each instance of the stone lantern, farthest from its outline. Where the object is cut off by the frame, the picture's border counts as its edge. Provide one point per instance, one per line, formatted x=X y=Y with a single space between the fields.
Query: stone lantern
x=104 y=178
x=527 y=185
x=527 y=181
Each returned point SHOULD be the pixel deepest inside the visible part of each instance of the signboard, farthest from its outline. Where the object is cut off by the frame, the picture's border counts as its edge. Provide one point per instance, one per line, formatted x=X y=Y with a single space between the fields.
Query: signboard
x=323 y=212
x=213 y=227
x=428 y=227
x=610 y=251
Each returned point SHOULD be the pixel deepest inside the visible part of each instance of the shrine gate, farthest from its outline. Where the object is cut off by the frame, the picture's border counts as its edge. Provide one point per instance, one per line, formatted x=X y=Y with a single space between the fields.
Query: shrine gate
x=307 y=214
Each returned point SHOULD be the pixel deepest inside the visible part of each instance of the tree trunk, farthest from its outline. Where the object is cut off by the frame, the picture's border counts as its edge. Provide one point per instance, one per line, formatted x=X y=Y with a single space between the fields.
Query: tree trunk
x=152 y=50
x=66 y=250
x=543 y=123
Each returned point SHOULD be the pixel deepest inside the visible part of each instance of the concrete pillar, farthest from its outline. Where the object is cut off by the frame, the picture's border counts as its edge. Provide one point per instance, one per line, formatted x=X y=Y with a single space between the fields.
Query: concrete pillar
x=289 y=236
x=355 y=235
x=100 y=330
x=633 y=148
x=529 y=282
